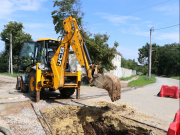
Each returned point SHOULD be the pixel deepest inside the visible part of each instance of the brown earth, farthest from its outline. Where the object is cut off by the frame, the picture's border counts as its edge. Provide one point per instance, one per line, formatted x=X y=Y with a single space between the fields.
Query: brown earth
x=103 y=119
x=110 y=83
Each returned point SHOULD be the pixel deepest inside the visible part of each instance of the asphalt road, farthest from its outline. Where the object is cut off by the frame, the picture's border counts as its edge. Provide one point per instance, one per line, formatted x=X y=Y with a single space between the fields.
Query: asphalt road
x=146 y=99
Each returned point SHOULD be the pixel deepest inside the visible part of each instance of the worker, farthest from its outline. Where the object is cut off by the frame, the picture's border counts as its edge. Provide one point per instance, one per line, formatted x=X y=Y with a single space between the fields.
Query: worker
x=51 y=53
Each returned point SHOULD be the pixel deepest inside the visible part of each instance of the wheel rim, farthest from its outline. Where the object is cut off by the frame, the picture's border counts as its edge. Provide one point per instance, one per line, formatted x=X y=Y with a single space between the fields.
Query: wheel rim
x=31 y=83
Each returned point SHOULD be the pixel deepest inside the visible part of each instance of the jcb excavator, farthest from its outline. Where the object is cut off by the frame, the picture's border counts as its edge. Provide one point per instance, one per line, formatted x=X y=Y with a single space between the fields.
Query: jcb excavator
x=48 y=66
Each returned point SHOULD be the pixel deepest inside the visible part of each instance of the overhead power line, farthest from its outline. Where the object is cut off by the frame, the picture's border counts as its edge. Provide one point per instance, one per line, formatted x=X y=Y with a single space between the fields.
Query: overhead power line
x=167 y=27
x=137 y=10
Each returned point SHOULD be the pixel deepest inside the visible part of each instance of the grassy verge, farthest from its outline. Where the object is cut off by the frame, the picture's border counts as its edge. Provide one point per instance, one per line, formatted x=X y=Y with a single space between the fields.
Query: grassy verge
x=142 y=81
x=127 y=78
x=7 y=74
x=175 y=77
x=85 y=84
x=172 y=77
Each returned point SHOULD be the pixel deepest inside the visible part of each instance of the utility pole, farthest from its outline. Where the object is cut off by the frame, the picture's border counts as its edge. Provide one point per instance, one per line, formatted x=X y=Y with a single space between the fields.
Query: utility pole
x=9 y=61
x=150 y=52
x=11 y=53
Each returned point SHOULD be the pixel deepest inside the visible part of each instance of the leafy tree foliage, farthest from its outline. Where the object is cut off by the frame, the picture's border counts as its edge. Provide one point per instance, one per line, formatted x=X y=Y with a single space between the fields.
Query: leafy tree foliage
x=66 y=8
x=18 y=37
x=165 y=59
x=130 y=64
x=144 y=54
x=168 y=59
x=100 y=52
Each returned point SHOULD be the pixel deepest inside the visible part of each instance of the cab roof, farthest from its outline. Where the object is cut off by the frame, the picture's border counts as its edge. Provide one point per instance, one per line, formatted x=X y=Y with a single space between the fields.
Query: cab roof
x=42 y=39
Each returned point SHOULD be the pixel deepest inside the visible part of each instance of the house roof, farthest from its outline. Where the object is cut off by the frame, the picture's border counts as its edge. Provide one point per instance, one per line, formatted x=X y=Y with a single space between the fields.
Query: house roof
x=118 y=53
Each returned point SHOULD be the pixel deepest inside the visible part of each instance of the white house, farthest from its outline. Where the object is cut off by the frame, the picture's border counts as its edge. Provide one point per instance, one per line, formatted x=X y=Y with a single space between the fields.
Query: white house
x=116 y=62
x=119 y=71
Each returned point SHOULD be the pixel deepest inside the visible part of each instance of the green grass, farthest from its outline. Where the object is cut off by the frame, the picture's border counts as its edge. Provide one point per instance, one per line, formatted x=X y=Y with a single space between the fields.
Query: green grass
x=142 y=81
x=175 y=77
x=172 y=77
x=85 y=84
x=127 y=78
x=13 y=75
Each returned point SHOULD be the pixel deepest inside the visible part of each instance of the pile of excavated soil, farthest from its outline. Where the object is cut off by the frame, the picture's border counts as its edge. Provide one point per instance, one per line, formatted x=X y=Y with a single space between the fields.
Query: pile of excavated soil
x=103 y=119
x=110 y=83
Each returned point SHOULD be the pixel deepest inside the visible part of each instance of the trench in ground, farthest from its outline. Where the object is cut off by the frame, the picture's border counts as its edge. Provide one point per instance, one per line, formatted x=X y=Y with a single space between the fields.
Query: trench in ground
x=96 y=120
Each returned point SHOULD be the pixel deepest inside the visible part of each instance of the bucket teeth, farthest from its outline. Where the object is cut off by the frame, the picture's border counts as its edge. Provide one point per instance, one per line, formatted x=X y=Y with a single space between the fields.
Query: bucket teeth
x=111 y=84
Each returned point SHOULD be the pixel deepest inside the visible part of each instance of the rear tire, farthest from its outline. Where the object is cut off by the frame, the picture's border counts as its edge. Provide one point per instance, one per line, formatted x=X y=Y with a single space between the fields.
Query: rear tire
x=24 y=88
x=17 y=88
x=67 y=92
x=32 y=83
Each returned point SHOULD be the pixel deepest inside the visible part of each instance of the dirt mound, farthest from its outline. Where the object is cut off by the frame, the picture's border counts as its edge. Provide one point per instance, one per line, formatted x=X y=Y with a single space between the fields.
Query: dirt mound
x=102 y=120
x=111 y=84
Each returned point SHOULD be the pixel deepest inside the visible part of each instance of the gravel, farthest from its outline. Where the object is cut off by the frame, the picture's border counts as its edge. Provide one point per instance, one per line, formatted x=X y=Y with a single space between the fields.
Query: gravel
x=26 y=122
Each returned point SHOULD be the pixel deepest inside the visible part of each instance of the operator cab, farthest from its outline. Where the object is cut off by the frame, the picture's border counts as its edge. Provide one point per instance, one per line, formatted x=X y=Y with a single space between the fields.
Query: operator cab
x=47 y=47
x=41 y=51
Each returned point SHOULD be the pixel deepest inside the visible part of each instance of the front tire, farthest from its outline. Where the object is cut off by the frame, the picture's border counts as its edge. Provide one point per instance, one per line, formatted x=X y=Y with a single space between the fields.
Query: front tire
x=32 y=83
x=67 y=92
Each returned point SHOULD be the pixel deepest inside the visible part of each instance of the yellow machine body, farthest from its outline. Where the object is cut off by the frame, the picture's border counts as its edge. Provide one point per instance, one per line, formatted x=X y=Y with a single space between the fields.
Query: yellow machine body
x=59 y=61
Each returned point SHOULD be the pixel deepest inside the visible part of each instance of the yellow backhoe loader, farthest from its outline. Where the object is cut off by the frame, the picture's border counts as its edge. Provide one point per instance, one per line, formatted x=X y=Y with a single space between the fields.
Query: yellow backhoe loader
x=46 y=62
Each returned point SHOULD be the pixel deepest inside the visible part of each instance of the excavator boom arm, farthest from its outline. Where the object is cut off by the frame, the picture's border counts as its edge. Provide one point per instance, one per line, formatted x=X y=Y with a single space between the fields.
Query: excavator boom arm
x=59 y=61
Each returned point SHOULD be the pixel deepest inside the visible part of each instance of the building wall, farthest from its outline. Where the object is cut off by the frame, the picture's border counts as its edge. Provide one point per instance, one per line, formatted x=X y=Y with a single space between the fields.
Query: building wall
x=116 y=62
x=73 y=62
x=127 y=72
x=119 y=72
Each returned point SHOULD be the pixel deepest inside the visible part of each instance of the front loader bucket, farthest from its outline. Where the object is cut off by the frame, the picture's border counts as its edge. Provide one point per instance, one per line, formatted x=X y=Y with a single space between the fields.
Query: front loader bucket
x=110 y=83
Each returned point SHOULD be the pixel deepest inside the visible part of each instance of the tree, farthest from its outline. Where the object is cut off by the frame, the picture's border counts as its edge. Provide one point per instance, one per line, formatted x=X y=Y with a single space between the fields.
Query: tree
x=130 y=64
x=100 y=52
x=124 y=62
x=18 y=37
x=168 y=59
x=66 y=8
x=165 y=59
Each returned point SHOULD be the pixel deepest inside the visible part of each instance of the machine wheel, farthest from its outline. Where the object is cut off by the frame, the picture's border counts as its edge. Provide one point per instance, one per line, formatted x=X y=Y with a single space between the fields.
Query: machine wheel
x=51 y=89
x=32 y=83
x=17 y=88
x=67 y=92
x=24 y=88
x=5 y=131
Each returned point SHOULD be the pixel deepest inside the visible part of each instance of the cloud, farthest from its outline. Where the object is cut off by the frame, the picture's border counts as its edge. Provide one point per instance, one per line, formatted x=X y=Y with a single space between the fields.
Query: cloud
x=35 y=25
x=9 y=6
x=135 y=31
x=173 y=37
x=117 y=18
x=169 y=10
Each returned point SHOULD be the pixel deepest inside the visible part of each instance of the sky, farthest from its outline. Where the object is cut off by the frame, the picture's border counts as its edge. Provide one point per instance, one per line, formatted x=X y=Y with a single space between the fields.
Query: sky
x=127 y=22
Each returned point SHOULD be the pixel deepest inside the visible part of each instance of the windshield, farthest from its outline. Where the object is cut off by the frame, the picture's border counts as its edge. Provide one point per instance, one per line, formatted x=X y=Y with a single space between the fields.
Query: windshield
x=25 y=56
x=41 y=52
